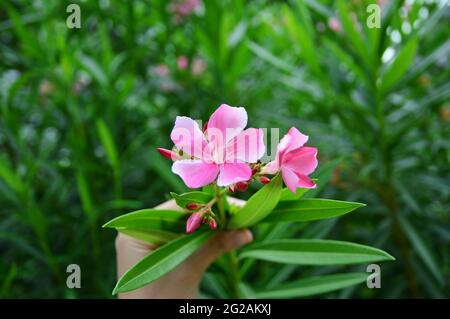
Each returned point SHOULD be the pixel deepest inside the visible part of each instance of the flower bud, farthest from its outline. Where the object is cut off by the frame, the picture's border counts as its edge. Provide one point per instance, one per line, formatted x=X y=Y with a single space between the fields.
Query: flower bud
x=205 y=126
x=168 y=154
x=212 y=223
x=241 y=186
x=264 y=180
x=194 y=221
x=192 y=206
x=231 y=189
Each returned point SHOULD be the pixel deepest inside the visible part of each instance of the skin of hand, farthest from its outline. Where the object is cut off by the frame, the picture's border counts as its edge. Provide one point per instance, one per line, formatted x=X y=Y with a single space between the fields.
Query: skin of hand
x=183 y=281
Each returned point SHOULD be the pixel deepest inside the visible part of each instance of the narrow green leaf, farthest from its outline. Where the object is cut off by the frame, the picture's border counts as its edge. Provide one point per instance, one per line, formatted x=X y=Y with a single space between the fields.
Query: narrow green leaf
x=93 y=68
x=162 y=167
x=302 y=39
x=322 y=175
x=85 y=196
x=313 y=286
x=9 y=176
x=421 y=248
x=399 y=66
x=259 y=205
x=269 y=57
x=154 y=236
x=191 y=197
x=309 y=209
x=353 y=35
x=314 y=252
x=287 y=195
x=161 y=261
x=146 y=219
x=108 y=144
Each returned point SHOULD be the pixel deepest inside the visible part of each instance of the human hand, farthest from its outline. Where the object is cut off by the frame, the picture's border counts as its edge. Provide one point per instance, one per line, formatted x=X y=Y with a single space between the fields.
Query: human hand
x=183 y=281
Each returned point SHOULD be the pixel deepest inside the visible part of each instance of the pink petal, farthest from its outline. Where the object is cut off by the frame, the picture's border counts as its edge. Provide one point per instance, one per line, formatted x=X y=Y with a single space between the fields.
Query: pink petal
x=195 y=173
x=248 y=146
x=305 y=182
x=271 y=168
x=302 y=160
x=290 y=179
x=187 y=136
x=231 y=173
x=225 y=123
x=294 y=180
x=292 y=140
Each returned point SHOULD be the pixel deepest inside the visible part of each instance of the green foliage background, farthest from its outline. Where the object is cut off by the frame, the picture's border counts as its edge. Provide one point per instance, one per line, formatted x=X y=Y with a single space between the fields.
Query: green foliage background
x=82 y=110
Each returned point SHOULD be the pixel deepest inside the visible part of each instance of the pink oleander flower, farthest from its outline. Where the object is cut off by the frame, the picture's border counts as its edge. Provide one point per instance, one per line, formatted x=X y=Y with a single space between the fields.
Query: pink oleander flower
x=223 y=151
x=182 y=62
x=294 y=160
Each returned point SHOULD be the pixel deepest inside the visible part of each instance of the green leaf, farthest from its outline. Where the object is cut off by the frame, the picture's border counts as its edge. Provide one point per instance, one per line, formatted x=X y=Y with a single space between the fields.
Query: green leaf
x=161 y=261
x=287 y=195
x=162 y=167
x=259 y=205
x=322 y=177
x=313 y=286
x=353 y=35
x=399 y=66
x=84 y=192
x=302 y=39
x=314 y=252
x=269 y=57
x=191 y=197
x=305 y=210
x=154 y=236
x=421 y=248
x=10 y=177
x=168 y=220
x=108 y=144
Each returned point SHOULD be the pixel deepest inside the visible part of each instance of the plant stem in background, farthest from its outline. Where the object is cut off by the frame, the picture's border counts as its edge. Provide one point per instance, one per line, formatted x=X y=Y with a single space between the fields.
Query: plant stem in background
x=233 y=277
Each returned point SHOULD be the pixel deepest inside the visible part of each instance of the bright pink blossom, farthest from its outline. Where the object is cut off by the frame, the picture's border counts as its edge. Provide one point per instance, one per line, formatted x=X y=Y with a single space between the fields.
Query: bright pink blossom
x=223 y=151
x=294 y=160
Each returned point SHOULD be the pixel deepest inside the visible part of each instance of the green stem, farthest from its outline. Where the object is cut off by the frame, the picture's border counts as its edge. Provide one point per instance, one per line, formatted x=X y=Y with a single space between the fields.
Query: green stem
x=231 y=257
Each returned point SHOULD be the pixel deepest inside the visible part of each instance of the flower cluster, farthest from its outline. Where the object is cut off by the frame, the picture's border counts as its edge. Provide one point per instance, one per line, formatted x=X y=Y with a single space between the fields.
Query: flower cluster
x=226 y=153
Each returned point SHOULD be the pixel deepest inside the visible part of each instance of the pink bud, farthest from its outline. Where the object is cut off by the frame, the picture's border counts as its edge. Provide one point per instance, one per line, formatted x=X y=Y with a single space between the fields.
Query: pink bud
x=242 y=186
x=168 y=154
x=212 y=223
x=192 y=206
x=254 y=171
x=194 y=221
x=264 y=179
x=231 y=189
x=205 y=127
